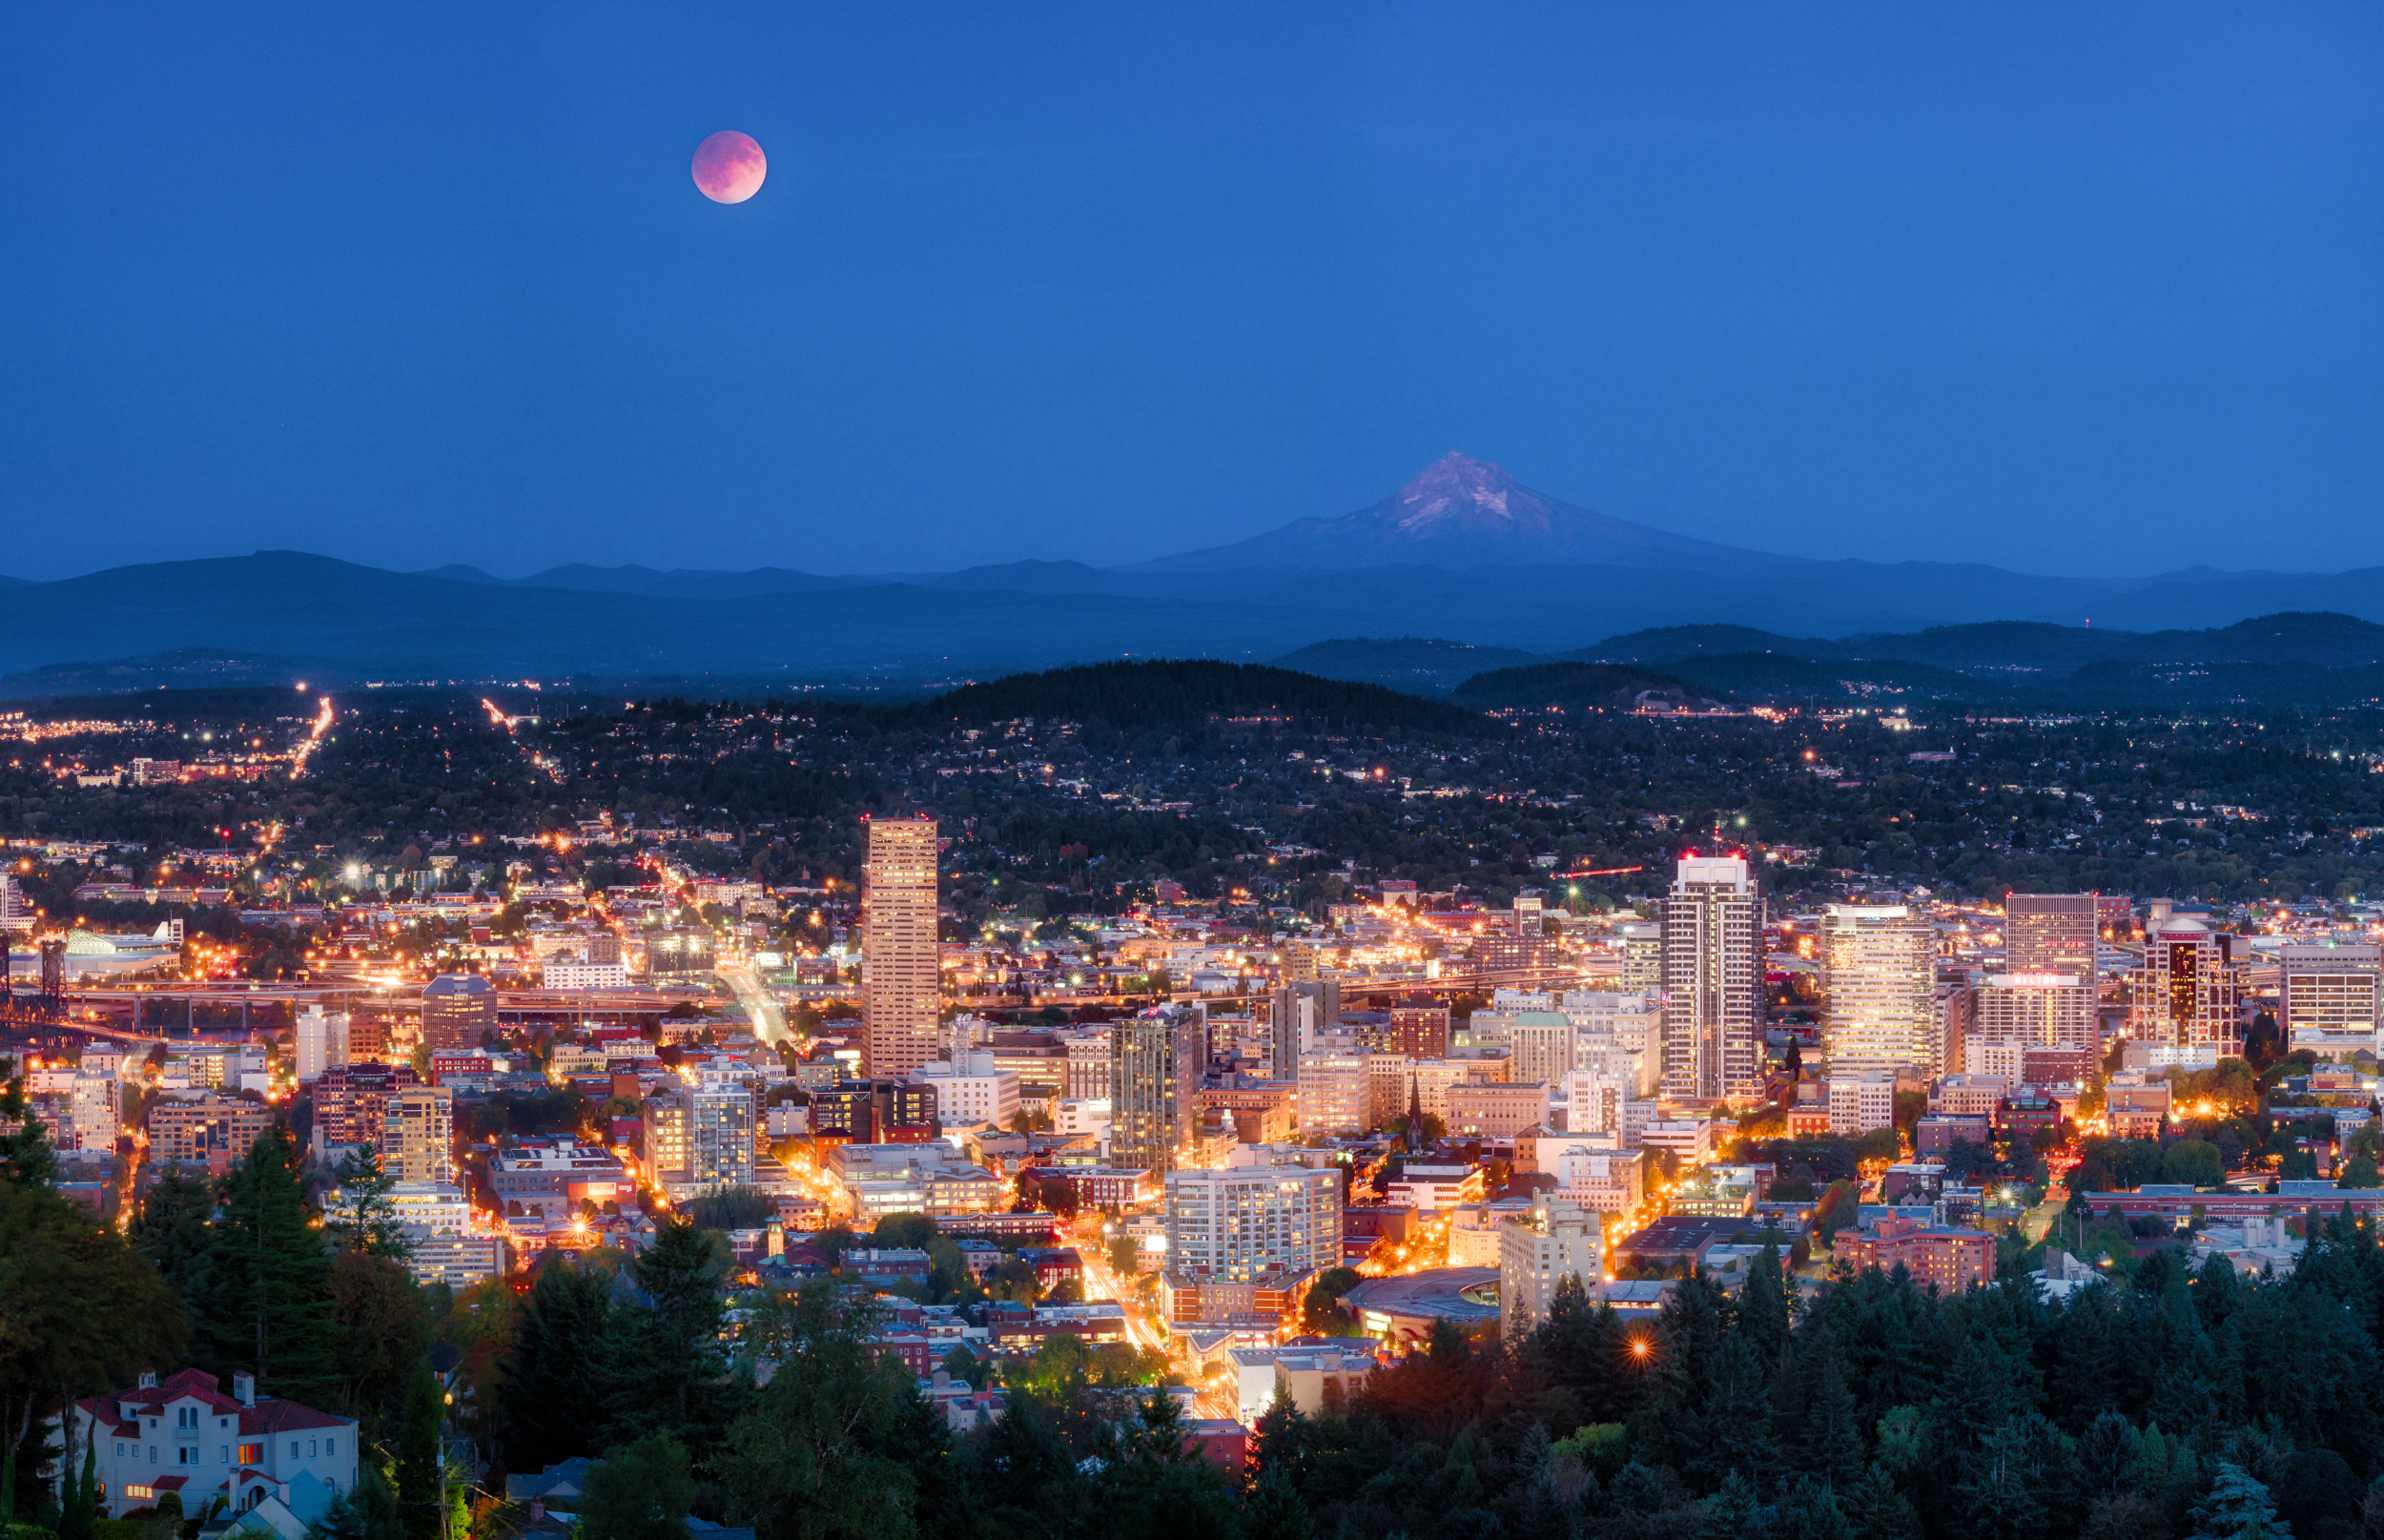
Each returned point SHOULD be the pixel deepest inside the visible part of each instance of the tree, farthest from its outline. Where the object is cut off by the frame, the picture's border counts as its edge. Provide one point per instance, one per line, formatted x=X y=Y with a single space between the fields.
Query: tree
x=1320 y=1313
x=381 y=1325
x=364 y=1218
x=26 y=1158
x=2193 y=1160
x=1124 y=1256
x=79 y=1309
x=1275 y=1510
x=2237 y=1507
x=269 y=1307
x=562 y=1366
x=678 y=1339
x=640 y=1492
x=839 y=1446
x=2360 y=1171
x=170 y=1230
x=420 y=1504
x=368 y=1510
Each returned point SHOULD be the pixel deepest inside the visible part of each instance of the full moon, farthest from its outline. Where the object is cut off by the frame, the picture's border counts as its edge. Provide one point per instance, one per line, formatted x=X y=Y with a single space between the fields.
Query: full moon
x=728 y=166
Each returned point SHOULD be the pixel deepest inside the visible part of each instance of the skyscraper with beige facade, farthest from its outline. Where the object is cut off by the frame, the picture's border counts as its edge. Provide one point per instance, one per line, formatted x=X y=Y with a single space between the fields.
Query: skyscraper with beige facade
x=901 y=999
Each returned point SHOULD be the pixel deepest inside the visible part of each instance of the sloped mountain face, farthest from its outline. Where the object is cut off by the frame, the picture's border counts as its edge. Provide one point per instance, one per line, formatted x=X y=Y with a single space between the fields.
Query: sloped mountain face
x=1463 y=512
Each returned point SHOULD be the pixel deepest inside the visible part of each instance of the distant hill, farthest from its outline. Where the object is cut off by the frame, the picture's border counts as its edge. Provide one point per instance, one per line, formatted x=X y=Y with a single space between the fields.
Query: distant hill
x=1190 y=691
x=1421 y=666
x=1570 y=687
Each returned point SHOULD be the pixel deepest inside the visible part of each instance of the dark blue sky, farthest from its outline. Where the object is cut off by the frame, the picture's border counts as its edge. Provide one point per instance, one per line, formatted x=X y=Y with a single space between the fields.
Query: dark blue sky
x=2066 y=288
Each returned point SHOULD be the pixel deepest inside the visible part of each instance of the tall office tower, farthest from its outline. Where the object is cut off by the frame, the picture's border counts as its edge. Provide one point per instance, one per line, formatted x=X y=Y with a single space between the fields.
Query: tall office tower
x=1331 y=1093
x=2187 y=993
x=1155 y=1085
x=16 y=913
x=1713 y=981
x=418 y=1135
x=2050 y=932
x=1878 y=967
x=1296 y=1014
x=1246 y=1223
x=1420 y=1029
x=457 y=1009
x=2330 y=997
x=698 y=1139
x=1642 y=958
x=1531 y=906
x=901 y=999
x=323 y=1042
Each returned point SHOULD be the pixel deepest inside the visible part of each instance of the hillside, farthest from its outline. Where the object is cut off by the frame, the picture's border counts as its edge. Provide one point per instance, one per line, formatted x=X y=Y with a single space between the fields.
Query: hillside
x=1419 y=664
x=1191 y=691
x=1568 y=686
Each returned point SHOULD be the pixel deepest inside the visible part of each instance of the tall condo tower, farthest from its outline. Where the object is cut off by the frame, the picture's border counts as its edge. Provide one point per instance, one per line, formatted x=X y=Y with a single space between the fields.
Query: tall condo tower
x=900 y=1000
x=1713 y=981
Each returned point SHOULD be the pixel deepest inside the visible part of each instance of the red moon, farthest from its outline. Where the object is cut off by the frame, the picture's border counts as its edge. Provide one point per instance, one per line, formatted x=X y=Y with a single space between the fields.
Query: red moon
x=728 y=166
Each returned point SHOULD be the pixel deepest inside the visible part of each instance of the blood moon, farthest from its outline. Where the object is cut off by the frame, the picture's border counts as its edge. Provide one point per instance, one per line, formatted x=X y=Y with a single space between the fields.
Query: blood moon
x=728 y=166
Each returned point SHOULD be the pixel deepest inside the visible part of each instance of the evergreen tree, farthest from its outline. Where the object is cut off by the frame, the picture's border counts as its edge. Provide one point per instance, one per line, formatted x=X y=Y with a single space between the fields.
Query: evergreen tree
x=170 y=1230
x=269 y=1306
x=640 y=1492
x=1835 y=1438
x=2237 y=1507
x=1879 y=1510
x=78 y=1515
x=1764 y=1307
x=26 y=1158
x=419 y=1500
x=1275 y=1511
x=382 y=1327
x=1730 y=1512
x=563 y=1367
x=679 y=1367
x=365 y=1217
x=1818 y=1518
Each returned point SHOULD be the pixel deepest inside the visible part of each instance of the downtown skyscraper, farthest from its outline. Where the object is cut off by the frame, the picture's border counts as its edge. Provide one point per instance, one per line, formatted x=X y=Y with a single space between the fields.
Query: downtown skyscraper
x=1712 y=975
x=1878 y=964
x=901 y=999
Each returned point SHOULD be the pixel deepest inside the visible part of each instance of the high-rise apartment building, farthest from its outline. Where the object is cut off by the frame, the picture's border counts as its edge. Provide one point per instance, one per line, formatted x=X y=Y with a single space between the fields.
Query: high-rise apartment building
x=2189 y=991
x=1155 y=1060
x=901 y=999
x=1419 y=1029
x=2330 y=997
x=1879 y=966
x=700 y=1138
x=2050 y=932
x=1246 y=1223
x=323 y=1042
x=1713 y=981
x=418 y=1135
x=1297 y=1015
x=1332 y=1091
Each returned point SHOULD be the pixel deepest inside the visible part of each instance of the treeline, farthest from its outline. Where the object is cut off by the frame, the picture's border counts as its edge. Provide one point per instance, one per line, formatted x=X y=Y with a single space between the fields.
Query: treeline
x=2170 y=1403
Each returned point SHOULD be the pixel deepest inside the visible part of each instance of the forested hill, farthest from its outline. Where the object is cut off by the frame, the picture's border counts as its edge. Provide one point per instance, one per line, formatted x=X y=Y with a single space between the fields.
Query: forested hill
x=1185 y=691
x=1568 y=685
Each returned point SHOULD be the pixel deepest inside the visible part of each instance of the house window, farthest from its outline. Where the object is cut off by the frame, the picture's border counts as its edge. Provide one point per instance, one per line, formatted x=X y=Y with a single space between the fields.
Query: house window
x=310 y=1445
x=186 y=1454
x=252 y=1454
x=152 y=1454
x=294 y=1448
x=331 y=1445
x=224 y=1454
x=119 y=1448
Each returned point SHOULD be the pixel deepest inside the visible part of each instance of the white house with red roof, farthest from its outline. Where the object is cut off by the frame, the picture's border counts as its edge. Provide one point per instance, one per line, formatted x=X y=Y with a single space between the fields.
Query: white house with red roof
x=185 y=1436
